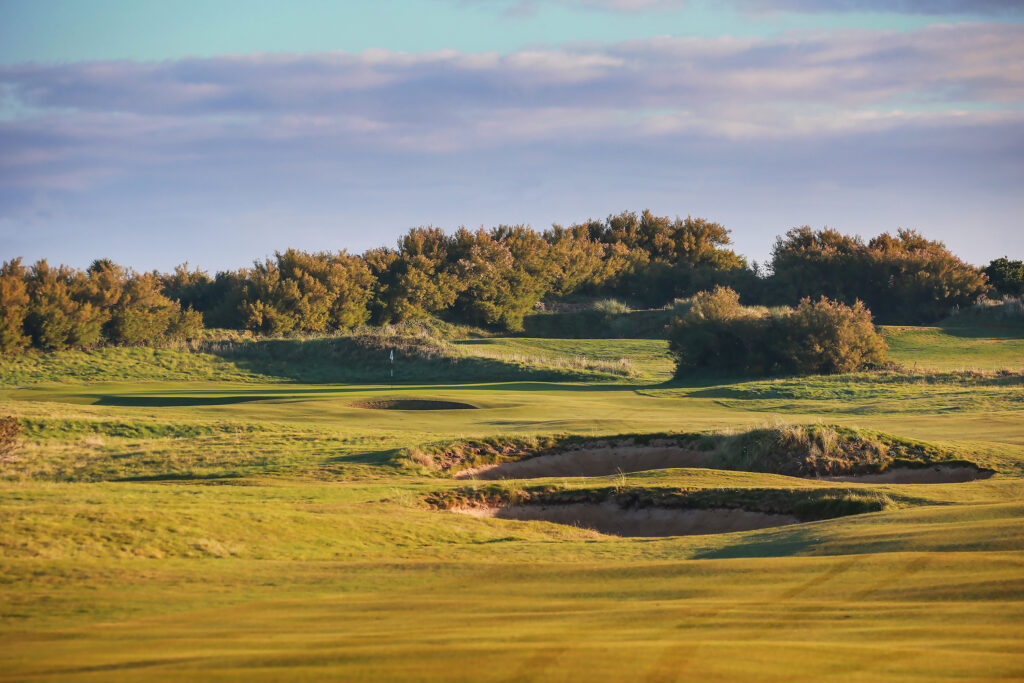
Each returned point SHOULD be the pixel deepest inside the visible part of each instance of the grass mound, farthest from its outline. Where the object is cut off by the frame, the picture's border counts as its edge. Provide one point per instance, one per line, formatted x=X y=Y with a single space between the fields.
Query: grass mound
x=819 y=450
x=810 y=451
x=360 y=357
x=366 y=357
x=452 y=457
x=118 y=364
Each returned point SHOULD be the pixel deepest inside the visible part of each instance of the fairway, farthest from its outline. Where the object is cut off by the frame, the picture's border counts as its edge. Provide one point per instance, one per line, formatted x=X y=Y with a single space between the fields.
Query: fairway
x=250 y=526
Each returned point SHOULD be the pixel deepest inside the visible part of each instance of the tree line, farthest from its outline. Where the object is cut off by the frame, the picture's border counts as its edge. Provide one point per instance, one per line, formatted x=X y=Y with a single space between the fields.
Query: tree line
x=490 y=277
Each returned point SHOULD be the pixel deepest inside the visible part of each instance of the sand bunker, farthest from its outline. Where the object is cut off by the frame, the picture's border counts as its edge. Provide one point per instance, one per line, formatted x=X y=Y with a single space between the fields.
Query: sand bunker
x=593 y=462
x=413 y=404
x=609 y=518
x=941 y=474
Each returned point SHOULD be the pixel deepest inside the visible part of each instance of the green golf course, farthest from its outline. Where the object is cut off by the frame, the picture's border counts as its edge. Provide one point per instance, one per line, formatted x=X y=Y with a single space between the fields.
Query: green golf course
x=201 y=514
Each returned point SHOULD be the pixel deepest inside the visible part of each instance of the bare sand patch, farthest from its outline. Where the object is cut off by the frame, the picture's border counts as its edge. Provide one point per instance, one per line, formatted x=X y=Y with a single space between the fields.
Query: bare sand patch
x=609 y=518
x=591 y=462
x=413 y=404
x=939 y=474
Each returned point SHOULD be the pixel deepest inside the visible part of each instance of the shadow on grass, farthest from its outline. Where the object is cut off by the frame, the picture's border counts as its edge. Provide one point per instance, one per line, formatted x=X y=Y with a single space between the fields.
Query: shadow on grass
x=208 y=478
x=383 y=457
x=232 y=396
x=784 y=543
x=169 y=401
x=367 y=359
x=974 y=331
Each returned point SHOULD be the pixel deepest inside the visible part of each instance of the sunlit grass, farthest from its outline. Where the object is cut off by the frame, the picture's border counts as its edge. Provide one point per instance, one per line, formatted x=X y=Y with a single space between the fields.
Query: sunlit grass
x=183 y=515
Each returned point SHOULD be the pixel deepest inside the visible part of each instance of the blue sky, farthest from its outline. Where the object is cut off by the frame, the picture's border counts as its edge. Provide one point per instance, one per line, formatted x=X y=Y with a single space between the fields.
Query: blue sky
x=155 y=133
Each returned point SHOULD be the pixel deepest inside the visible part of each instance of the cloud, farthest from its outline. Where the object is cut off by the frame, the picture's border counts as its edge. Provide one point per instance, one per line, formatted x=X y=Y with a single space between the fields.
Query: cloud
x=994 y=8
x=934 y=7
x=444 y=99
x=419 y=137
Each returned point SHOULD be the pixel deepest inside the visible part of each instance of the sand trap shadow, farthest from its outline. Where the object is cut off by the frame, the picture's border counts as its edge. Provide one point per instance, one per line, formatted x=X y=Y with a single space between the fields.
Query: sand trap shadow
x=177 y=401
x=609 y=518
x=939 y=474
x=605 y=461
x=591 y=462
x=413 y=404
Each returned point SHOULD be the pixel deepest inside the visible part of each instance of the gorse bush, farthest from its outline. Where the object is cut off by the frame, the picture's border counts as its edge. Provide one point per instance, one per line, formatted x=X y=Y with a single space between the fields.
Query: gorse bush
x=823 y=336
x=10 y=430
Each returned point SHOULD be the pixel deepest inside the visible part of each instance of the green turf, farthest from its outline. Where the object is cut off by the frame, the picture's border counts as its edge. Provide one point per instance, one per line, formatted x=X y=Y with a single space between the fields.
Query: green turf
x=961 y=347
x=183 y=516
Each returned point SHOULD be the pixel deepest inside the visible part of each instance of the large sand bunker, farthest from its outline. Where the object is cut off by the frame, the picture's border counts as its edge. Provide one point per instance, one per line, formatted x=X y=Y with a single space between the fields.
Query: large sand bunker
x=591 y=462
x=938 y=474
x=413 y=404
x=609 y=518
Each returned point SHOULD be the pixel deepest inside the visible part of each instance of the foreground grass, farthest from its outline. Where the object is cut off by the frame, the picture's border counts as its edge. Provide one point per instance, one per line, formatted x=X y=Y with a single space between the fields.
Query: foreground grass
x=165 y=524
x=901 y=616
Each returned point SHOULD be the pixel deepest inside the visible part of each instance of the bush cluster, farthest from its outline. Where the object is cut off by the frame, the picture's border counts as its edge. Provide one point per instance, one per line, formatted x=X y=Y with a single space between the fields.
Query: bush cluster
x=816 y=337
x=902 y=279
x=58 y=308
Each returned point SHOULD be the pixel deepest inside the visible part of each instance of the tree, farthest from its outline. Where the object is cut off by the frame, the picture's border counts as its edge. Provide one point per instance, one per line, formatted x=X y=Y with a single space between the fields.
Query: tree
x=902 y=278
x=298 y=291
x=498 y=288
x=1006 y=276
x=911 y=279
x=59 y=315
x=415 y=281
x=575 y=261
x=14 y=302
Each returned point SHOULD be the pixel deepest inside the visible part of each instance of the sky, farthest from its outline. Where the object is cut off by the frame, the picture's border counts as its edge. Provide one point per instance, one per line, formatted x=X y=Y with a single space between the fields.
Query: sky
x=215 y=133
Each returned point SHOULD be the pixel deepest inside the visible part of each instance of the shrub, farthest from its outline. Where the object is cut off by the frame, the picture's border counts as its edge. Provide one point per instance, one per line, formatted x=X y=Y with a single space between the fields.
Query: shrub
x=718 y=333
x=10 y=430
x=610 y=307
x=821 y=337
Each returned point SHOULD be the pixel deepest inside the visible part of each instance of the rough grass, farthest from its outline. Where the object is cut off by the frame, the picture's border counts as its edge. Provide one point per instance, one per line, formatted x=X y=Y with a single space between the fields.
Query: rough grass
x=818 y=450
